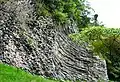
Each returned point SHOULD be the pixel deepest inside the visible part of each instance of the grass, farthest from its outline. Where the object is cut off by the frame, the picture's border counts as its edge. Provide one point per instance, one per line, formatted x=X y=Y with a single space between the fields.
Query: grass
x=12 y=74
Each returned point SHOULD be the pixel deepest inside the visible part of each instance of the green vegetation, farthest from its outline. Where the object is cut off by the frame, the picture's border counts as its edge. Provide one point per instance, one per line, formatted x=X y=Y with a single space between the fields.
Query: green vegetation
x=12 y=74
x=65 y=11
x=104 y=42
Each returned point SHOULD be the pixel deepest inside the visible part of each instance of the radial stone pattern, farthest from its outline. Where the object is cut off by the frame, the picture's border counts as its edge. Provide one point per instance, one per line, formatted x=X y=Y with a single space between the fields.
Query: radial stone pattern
x=34 y=44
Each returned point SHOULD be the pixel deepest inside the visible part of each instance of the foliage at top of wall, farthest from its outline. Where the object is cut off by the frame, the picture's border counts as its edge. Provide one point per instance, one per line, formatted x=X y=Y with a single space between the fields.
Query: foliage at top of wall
x=104 y=42
x=65 y=10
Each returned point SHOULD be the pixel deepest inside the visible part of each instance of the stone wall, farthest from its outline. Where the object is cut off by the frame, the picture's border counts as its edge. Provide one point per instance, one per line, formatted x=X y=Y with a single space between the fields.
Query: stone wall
x=34 y=44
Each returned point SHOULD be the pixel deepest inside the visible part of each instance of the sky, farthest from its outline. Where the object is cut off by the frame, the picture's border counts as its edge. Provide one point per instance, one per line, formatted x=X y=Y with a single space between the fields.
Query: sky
x=108 y=11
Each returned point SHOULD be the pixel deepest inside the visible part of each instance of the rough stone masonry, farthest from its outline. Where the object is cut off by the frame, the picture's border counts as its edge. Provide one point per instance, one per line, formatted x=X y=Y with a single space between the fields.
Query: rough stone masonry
x=34 y=44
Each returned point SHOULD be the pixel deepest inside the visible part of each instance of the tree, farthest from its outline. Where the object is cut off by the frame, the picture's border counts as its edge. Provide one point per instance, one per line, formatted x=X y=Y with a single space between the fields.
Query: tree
x=104 y=42
x=65 y=10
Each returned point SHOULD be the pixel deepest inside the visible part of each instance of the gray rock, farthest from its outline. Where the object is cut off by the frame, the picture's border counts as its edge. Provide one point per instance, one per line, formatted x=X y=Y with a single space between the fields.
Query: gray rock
x=38 y=47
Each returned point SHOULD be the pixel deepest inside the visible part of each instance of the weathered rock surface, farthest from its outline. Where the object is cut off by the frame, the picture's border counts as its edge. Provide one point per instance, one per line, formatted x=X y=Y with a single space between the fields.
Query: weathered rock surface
x=35 y=44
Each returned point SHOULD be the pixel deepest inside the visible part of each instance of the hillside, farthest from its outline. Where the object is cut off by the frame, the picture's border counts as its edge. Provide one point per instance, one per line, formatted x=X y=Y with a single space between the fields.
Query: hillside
x=40 y=46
